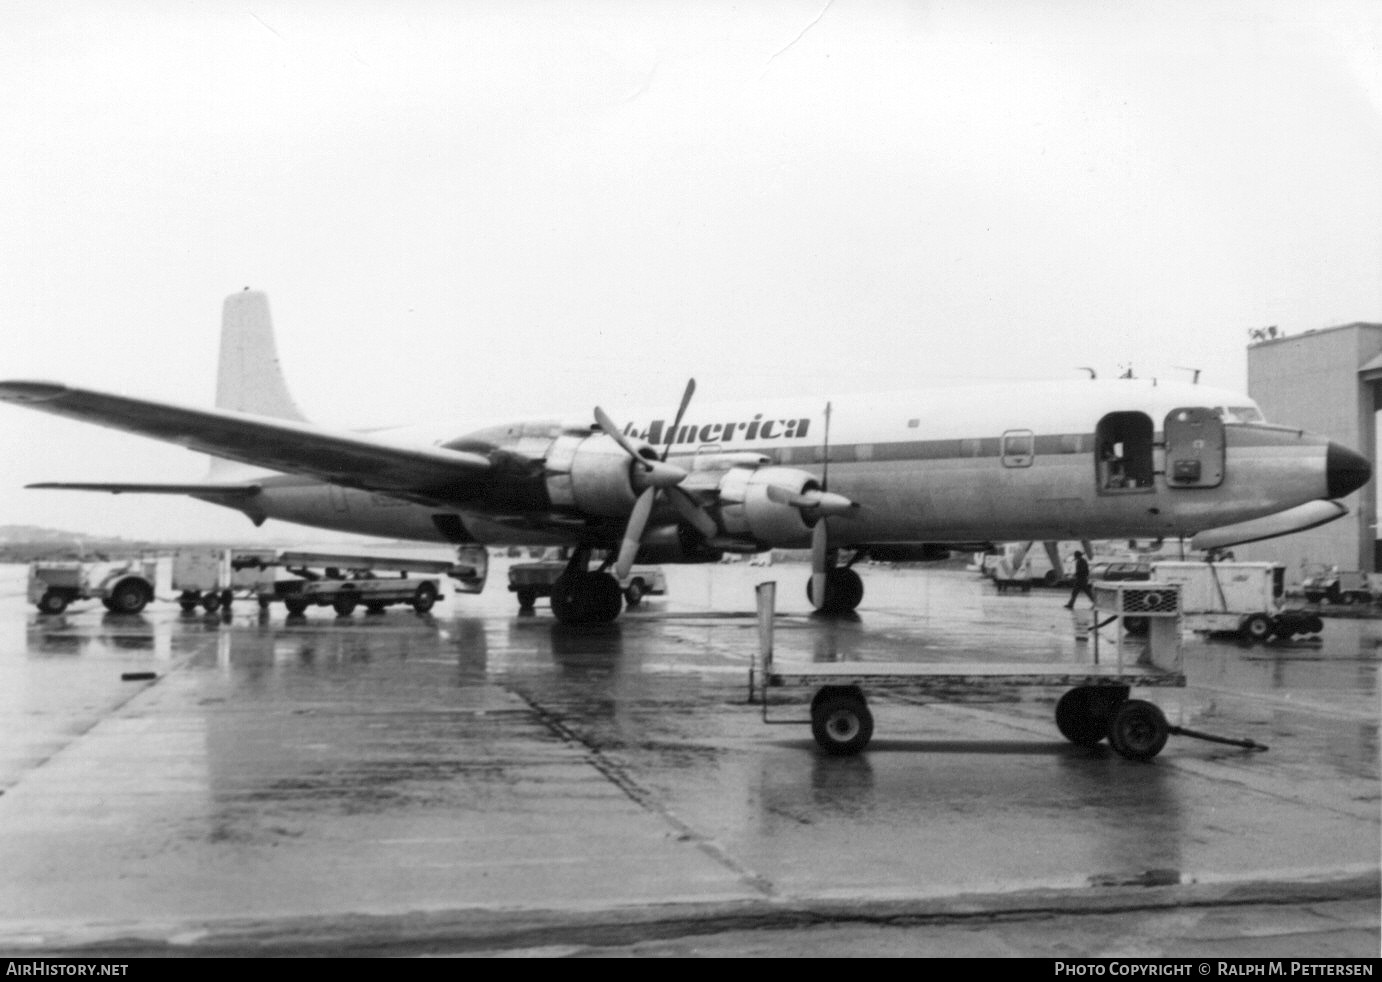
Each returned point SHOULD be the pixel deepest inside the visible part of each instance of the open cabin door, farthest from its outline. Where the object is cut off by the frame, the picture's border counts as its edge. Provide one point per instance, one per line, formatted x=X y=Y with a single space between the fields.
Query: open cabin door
x=1194 y=448
x=1123 y=453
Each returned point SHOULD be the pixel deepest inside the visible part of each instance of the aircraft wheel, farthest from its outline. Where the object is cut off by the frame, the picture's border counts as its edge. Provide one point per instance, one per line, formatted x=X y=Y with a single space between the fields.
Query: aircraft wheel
x=1316 y=625
x=424 y=598
x=844 y=590
x=587 y=598
x=129 y=597
x=1138 y=730
x=52 y=602
x=1083 y=714
x=1138 y=627
x=841 y=722
x=1256 y=627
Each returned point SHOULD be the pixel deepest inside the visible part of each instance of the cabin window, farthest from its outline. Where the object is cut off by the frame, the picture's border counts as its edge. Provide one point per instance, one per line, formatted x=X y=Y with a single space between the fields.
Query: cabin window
x=1018 y=448
x=1194 y=448
x=1123 y=453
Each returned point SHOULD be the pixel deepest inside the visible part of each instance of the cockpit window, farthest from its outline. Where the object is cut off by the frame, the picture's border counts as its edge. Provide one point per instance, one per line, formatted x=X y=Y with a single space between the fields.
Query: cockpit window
x=1241 y=414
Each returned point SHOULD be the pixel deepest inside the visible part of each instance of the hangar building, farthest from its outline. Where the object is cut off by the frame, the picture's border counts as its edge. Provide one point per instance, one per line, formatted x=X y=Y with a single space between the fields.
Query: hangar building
x=1326 y=381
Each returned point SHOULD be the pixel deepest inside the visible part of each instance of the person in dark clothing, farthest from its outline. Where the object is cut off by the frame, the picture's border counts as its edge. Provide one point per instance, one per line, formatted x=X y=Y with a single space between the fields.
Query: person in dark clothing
x=1081 y=580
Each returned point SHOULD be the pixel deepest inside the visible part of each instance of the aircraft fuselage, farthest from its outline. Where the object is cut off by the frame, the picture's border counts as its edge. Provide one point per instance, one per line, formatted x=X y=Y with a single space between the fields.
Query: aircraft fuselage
x=1069 y=460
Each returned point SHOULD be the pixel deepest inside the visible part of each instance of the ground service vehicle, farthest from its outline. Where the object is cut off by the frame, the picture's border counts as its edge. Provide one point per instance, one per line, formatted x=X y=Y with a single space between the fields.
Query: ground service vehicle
x=529 y=581
x=1238 y=598
x=1113 y=572
x=1329 y=585
x=211 y=578
x=122 y=587
x=344 y=582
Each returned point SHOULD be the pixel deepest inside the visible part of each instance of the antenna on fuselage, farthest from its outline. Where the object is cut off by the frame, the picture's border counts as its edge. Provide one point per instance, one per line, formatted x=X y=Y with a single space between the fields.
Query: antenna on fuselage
x=1092 y=373
x=1194 y=373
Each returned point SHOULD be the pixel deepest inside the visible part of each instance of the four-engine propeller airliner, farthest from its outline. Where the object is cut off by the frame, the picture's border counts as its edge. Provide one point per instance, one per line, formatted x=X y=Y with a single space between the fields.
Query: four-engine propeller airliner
x=889 y=476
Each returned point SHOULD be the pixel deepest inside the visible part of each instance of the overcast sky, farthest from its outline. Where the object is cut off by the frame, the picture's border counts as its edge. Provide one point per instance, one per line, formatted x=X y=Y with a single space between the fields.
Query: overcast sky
x=490 y=209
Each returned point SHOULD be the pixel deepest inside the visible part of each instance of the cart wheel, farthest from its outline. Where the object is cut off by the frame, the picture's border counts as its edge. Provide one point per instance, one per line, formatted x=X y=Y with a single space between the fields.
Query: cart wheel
x=295 y=607
x=211 y=603
x=129 y=597
x=424 y=598
x=1256 y=627
x=1138 y=730
x=633 y=596
x=374 y=608
x=841 y=724
x=344 y=607
x=527 y=597
x=1083 y=714
x=52 y=602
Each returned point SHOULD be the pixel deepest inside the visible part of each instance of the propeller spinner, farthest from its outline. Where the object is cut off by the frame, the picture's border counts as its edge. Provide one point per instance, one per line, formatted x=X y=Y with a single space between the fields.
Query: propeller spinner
x=654 y=476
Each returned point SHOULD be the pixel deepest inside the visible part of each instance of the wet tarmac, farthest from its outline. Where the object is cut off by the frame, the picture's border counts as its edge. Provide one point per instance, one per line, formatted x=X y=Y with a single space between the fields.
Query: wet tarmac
x=477 y=780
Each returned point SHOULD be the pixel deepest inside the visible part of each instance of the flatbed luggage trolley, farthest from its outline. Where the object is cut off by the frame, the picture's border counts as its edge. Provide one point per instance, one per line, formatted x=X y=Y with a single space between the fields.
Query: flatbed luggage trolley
x=1096 y=705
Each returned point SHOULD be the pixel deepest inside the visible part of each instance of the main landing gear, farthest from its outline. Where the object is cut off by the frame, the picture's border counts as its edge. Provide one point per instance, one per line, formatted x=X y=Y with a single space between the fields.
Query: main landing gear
x=844 y=590
x=584 y=596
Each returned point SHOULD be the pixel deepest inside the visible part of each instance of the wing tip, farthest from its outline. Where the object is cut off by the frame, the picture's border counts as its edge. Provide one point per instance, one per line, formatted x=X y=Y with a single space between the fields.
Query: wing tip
x=20 y=390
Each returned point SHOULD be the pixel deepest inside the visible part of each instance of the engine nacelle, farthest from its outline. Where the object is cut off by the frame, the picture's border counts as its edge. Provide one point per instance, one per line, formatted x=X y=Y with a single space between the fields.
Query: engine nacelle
x=592 y=474
x=746 y=511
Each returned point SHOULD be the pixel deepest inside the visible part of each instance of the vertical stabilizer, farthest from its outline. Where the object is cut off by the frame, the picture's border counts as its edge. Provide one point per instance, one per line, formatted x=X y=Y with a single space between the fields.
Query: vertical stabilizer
x=250 y=378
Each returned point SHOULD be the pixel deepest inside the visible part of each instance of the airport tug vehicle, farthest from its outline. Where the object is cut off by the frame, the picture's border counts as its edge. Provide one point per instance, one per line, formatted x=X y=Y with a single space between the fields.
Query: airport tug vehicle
x=1095 y=707
x=122 y=587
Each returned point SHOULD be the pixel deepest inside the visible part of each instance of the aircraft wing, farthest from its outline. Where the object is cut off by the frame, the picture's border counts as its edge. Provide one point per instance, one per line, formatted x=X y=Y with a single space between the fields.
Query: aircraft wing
x=355 y=460
x=247 y=489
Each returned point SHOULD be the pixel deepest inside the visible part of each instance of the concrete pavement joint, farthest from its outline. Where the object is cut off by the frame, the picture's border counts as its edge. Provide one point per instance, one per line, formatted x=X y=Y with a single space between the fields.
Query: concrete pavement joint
x=645 y=799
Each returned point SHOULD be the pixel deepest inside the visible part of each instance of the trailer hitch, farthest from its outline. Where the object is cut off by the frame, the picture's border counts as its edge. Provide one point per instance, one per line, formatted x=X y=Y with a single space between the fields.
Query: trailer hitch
x=1245 y=744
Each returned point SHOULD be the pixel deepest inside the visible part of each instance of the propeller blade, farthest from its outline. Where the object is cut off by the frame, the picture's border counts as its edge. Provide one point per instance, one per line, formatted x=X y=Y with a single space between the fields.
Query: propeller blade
x=820 y=554
x=681 y=411
x=617 y=435
x=695 y=515
x=633 y=532
x=825 y=451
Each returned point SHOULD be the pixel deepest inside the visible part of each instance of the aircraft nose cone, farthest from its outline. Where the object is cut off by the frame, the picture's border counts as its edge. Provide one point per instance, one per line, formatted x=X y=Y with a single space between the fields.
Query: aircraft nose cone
x=1345 y=470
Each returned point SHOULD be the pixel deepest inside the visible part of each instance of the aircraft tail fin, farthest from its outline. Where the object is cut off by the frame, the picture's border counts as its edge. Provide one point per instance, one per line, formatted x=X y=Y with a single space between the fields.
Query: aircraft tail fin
x=250 y=377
